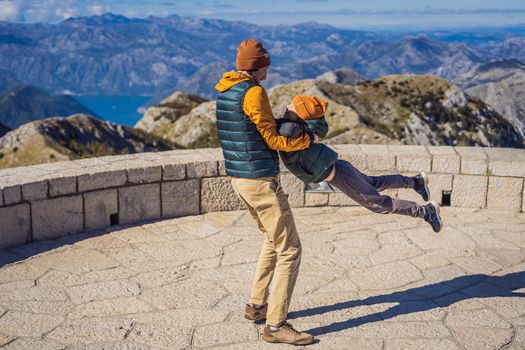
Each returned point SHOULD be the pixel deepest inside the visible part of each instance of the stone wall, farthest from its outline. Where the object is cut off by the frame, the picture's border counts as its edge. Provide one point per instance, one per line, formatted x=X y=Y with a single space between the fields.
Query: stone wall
x=50 y=200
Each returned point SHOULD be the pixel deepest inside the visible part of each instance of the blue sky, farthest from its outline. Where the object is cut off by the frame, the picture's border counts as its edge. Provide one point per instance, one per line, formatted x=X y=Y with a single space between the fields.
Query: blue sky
x=357 y=14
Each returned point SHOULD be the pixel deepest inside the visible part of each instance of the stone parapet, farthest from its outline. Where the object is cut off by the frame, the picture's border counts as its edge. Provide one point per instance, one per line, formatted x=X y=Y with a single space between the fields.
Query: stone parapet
x=55 y=199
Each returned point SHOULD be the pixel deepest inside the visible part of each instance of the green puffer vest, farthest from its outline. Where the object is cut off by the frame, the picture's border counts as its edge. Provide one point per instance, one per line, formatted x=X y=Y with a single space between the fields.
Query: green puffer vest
x=246 y=154
x=310 y=164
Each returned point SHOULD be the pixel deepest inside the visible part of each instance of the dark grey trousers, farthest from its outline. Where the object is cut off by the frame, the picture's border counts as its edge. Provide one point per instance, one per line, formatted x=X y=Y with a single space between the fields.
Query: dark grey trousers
x=365 y=189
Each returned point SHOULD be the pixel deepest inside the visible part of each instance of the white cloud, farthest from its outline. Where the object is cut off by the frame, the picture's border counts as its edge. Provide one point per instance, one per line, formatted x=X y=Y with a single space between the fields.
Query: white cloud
x=11 y=11
x=98 y=9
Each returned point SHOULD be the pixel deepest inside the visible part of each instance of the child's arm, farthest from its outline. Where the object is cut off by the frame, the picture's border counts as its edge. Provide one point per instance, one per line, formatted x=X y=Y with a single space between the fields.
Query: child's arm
x=289 y=128
x=318 y=126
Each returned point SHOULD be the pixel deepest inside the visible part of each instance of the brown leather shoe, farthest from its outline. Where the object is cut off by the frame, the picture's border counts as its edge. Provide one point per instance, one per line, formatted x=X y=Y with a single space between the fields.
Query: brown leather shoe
x=287 y=334
x=254 y=314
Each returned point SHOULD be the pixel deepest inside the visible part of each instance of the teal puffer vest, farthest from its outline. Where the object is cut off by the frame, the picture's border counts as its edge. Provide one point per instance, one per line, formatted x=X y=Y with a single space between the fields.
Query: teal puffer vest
x=246 y=154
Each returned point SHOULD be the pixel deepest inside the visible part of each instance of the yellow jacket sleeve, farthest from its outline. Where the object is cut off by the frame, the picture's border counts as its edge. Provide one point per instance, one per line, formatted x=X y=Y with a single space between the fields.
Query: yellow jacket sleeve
x=257 y=107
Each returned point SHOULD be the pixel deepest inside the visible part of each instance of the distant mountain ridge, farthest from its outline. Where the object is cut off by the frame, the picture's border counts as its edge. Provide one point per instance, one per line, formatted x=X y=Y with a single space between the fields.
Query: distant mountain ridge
x=26 y=103
x=156 y=55
x=77 y=136
x=501 y=84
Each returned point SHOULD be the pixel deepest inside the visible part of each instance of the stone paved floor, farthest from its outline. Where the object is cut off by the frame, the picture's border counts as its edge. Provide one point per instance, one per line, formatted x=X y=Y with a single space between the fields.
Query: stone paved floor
x=367 y=281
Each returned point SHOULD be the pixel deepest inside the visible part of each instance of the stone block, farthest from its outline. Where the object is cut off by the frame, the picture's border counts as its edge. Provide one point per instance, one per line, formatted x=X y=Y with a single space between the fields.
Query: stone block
x=100 y=180
x=439 y=183
x=352 y=154
x=34 y=191
x=217 y=194
x=316 y=199
x=62 y=185
x=378 y=157
x=1 y=197
x=15 y=225
x=469 y=191
x=57 y=217
x=222 y=168
x=207 y=168
x=172 y=172
x=144 y=174
x=411 y=158
x=294 y=189
x=99 y=206
x=180 y=198
x=340 y=199
x=139 y=203
x=506 y=161
x=523 y=202
x=445 y=160
x=473 y=160
x=12 y=194
x=505 y=193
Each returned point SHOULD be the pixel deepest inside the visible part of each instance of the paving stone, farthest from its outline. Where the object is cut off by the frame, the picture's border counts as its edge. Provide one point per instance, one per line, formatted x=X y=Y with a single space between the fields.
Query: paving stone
x=217 y=194
x=386 y=276
x=102 y=290
x=224 y=333
x=48 y=307
x=340 y=199
x=421 y=344
x=445 y=160
x=139 y=203
x=186 y=293
x=12 y=194
x=180 y=198
x=34 y=191
x=98 y=208
x=34 y=344
x=57 y=217
x=16 y=285
x=84 y=331
x=473 y=160
x=161 y=335
x=469 y=191
x=399 y=330
x=475 y=318
x=15 y=225
x=77 y=261
x=28 y=324
x=100 y=180
x=482 y=338
x=110 y=307
x=505 y=193
x=476 y=264
x=22 y=271
x=5 y=339
x=62 y=185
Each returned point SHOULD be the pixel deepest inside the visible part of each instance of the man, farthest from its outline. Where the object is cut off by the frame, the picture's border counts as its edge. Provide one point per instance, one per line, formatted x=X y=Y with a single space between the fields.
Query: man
x=249 y=140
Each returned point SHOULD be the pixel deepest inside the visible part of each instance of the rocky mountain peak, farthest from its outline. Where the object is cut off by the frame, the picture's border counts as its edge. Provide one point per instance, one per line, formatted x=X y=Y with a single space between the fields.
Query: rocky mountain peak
x=341 y=76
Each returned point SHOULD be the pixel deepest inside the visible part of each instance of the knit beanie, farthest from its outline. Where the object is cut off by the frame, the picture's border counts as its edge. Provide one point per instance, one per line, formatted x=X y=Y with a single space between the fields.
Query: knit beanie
x=309 y=107
x=251 y=55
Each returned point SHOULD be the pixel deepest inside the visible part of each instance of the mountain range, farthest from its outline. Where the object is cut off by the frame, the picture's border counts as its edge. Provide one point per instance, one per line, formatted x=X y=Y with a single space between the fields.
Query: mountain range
x=115 y=55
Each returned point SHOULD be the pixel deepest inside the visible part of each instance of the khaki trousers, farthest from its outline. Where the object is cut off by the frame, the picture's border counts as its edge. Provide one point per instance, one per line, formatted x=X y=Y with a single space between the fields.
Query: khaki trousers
x=281 y=251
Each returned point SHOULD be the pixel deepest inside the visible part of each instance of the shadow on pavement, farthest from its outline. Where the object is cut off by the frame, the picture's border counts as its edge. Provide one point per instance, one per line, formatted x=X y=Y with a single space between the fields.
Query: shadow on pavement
x=441 y=294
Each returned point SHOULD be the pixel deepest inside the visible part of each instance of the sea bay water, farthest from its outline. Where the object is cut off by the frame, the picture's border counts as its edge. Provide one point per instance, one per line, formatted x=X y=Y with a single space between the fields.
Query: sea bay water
x=126 y=110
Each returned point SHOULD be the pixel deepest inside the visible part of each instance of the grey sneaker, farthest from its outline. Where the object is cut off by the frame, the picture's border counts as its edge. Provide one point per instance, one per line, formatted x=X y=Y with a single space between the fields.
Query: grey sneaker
x=432 y=216
x=421 y=186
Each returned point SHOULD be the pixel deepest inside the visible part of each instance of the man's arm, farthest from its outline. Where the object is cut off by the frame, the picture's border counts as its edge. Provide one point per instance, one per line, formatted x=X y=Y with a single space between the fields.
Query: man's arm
x=257 y=107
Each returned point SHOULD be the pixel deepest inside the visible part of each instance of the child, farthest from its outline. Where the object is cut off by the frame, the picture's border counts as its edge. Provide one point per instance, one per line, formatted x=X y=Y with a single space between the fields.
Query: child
x=319 y=162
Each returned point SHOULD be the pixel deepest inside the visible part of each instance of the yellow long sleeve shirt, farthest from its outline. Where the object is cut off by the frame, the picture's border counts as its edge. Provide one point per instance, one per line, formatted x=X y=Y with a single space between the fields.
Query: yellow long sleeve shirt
x=257 y=107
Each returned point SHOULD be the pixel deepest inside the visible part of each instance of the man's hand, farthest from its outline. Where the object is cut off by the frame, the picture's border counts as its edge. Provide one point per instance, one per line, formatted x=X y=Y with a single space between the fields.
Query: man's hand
x=316 y=138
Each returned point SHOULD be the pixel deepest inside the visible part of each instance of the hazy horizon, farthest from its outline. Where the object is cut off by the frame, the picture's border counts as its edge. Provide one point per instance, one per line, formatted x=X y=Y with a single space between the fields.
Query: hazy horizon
x=403 y=15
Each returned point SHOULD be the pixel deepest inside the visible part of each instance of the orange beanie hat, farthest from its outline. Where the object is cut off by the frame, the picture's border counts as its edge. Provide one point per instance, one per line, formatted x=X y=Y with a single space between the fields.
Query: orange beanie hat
x=309 y=107
x=251 y=55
